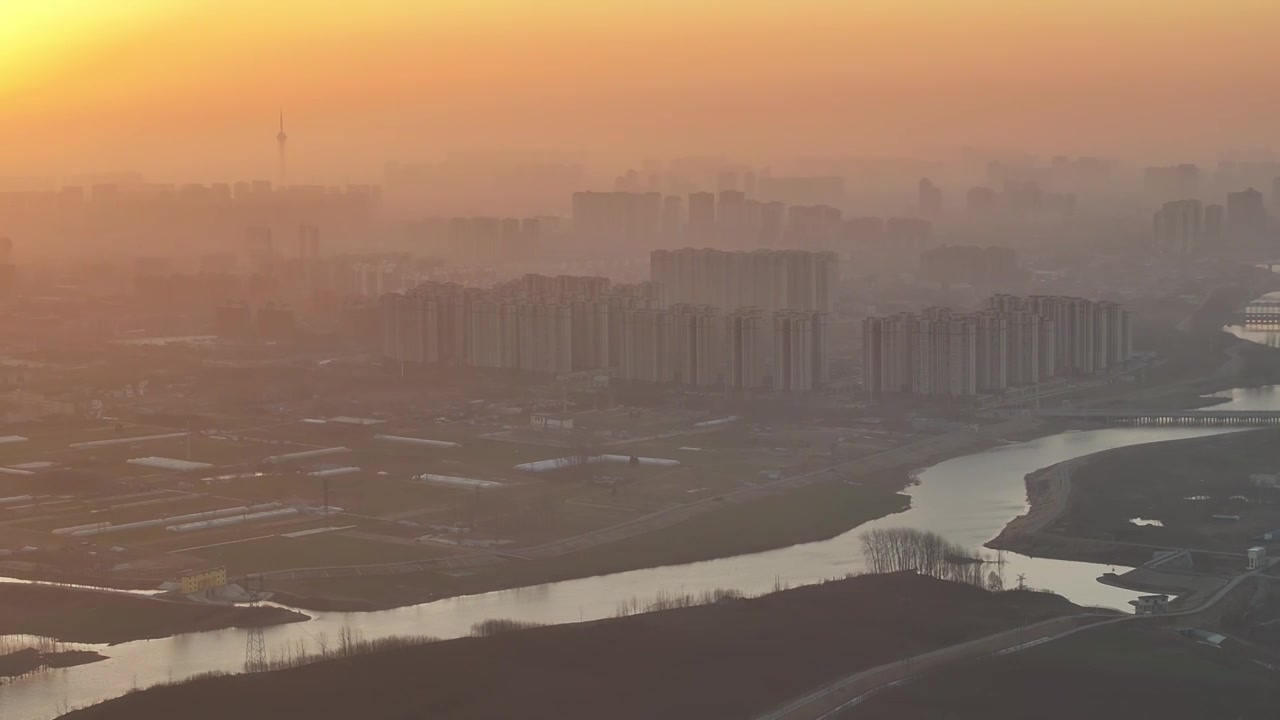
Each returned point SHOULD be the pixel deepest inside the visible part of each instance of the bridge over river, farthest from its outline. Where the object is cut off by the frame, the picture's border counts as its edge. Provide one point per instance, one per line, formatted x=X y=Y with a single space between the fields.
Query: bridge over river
x=1247 y=418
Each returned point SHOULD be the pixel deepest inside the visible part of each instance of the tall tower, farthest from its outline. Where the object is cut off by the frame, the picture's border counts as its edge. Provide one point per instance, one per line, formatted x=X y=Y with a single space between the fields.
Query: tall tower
x=281 y=140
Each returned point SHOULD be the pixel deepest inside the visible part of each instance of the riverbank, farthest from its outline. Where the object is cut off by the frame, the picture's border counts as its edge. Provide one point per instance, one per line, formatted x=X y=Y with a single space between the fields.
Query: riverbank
x=1048 y=495
x=816 y=506
x=29 y=660
x=733 y=658
x=1120 y=505
x=88 y=616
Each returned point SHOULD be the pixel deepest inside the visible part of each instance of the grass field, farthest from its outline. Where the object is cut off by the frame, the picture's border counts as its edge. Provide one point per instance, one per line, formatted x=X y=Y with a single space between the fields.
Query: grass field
x=808 y=514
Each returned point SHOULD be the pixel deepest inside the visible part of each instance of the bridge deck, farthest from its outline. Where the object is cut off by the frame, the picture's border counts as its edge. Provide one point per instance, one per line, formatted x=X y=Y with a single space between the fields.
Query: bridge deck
x=1169 y=417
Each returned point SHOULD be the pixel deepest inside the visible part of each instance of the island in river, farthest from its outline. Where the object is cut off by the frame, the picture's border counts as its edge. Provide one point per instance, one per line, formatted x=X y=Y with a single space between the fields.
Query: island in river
x=92 y=616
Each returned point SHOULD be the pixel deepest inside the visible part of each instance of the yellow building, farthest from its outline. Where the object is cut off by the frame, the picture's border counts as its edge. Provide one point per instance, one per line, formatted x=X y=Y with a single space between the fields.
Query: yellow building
x=194 y=581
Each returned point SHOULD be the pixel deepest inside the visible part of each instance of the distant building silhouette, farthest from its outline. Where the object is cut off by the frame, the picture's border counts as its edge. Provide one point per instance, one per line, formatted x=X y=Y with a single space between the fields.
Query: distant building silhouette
x=1215 y=222
x=1173 y=181
x=1179 y=228
x=980 y=200
x=929 y=197
x=1246 y=218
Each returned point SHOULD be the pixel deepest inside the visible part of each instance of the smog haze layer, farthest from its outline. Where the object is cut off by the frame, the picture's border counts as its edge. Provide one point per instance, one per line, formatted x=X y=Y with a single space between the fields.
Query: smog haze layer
x=190 y=88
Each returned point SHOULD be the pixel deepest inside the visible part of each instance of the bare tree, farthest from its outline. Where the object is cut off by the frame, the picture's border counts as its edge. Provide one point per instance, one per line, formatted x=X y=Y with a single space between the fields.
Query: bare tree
x=901 y=549
x=995 y=583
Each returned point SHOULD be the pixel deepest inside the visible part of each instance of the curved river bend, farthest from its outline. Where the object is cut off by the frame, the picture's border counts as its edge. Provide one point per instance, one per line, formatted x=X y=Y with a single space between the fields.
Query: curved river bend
x=967 y=499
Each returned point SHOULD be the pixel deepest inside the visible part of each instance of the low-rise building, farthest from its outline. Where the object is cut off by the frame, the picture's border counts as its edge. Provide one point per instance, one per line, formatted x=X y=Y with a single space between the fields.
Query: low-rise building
x=1150 y=604
x=551 y=421
x=1257 y=557
x=1265 y=480
x=194 y=581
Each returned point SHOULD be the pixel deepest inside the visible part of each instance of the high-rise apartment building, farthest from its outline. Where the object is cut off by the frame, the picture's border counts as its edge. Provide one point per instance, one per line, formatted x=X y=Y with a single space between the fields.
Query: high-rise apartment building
x=993 y=351
x=646 y=346
x=1180 y=228
x=702 y=218
x=746 y=349
x=980 y=200
x=541 y=325
x=970 y=265
x=768 y=279
x=813 y=227
x=732 y=221
x=1246 y=218
x=1214 y=228
x=1019 y=342
x=308 y=242
x=623 y=218
x=673 y=217
x=259 y=245
x=800 y=347
x=1173 y=181
x=1023 y=365
x=698 y=345
x=929 y=198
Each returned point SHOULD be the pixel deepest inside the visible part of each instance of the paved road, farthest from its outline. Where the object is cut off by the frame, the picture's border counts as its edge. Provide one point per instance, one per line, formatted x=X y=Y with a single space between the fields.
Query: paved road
x=825 y=703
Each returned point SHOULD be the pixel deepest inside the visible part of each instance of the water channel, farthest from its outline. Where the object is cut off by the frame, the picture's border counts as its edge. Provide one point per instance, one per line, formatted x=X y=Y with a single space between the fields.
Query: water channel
x=967 y=499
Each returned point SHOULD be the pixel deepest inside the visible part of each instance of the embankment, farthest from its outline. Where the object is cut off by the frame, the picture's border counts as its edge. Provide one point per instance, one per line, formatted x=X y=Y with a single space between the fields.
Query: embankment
x=1049 y=493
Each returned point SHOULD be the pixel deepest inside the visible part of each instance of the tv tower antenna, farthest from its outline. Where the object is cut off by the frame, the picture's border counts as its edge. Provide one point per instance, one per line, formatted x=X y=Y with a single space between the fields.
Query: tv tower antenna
x=281 y=141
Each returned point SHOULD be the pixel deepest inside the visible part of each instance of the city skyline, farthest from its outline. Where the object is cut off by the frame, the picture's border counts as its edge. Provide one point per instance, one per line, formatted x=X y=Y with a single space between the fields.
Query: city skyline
x=587 y=359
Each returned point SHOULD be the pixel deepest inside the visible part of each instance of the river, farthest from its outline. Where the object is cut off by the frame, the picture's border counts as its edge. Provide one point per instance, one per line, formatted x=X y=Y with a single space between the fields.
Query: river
x=967 y=499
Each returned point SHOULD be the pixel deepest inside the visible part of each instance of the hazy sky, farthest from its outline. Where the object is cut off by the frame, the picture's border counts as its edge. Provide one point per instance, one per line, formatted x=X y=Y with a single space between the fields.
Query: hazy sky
x=190 y=88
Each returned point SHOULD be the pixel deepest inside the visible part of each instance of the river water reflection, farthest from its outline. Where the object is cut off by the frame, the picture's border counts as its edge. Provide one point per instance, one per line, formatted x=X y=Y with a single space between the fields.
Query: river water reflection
x=967 y=499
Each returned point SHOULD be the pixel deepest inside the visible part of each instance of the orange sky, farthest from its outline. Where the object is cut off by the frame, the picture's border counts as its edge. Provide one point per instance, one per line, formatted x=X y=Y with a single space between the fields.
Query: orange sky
x=190 y=88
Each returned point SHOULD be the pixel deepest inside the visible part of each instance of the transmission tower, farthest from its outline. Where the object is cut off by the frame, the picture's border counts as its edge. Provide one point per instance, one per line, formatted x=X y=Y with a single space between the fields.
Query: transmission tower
x=1022 y=581
x=255 y=651
x=255 y=647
